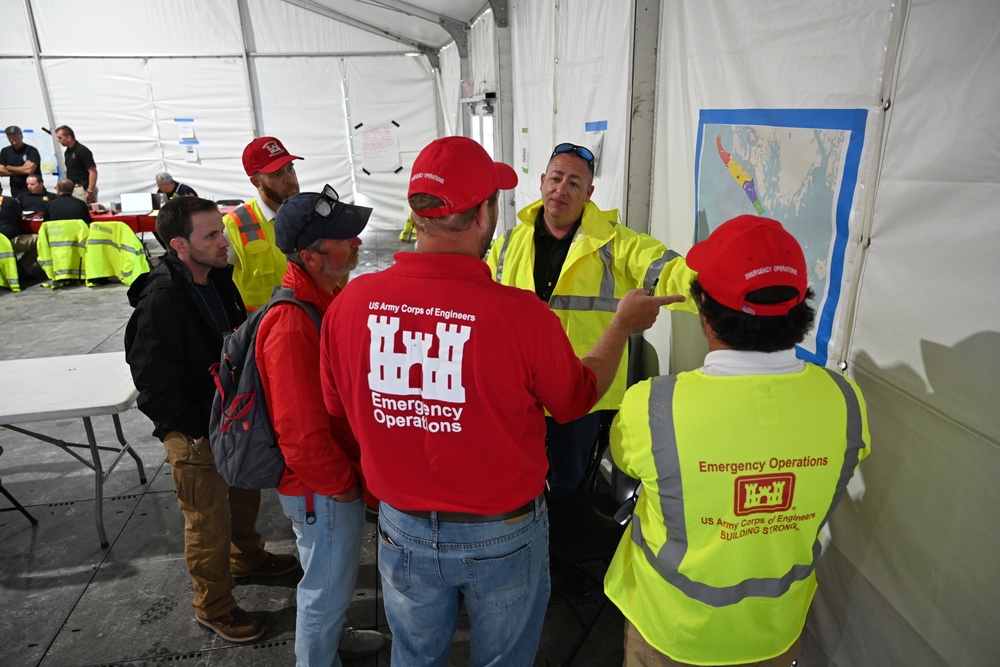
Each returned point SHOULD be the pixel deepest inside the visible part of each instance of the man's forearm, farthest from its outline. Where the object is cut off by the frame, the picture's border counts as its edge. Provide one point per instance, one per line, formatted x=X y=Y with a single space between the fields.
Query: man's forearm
x=606 y=355
x=92 y=179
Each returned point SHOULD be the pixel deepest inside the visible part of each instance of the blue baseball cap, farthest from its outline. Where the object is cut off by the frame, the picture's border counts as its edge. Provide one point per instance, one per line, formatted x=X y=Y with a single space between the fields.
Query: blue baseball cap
x=299 y=222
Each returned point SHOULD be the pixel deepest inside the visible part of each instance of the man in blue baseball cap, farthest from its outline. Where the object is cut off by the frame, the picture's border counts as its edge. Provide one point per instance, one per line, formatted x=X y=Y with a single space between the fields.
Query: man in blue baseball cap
x=321 y=489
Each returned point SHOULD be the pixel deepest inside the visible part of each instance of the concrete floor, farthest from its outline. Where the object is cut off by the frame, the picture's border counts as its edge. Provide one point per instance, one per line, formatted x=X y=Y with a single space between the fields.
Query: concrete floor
x=66 y=602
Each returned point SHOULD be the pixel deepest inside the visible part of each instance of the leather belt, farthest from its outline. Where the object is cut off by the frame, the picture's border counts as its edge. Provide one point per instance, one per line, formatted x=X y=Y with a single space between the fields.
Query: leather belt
x=465 y=517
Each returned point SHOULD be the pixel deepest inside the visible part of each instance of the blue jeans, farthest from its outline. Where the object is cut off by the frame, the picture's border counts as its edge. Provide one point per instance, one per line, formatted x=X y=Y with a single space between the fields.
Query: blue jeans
x=329 y=551
x=569 y=447
x=500 y=569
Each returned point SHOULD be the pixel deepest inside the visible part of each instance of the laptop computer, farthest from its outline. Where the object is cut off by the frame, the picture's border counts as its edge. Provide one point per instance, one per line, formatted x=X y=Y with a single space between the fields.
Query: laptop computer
x=137 y=203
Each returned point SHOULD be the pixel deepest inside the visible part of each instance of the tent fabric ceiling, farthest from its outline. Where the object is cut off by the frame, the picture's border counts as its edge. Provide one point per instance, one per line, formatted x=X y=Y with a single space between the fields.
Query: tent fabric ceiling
x=411 y=19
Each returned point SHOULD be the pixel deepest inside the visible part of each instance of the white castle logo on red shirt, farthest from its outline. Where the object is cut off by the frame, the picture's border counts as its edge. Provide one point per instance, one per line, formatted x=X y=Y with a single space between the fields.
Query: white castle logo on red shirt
x=441 y=375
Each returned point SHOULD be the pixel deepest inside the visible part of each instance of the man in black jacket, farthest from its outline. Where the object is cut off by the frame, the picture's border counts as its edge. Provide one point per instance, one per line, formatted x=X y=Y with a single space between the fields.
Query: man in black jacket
x=65 y=206
x=186 y=305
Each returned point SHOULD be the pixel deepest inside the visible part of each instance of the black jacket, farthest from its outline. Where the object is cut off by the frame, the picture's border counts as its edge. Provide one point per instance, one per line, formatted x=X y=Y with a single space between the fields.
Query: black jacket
x=67 y=207
x=170 y=342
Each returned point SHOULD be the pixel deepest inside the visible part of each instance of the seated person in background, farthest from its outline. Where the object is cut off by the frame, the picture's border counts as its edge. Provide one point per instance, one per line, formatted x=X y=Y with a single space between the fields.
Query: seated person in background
x=166 y=184
x=65 y=206
x=37 y=198
x=10 y=216
x=23 y=244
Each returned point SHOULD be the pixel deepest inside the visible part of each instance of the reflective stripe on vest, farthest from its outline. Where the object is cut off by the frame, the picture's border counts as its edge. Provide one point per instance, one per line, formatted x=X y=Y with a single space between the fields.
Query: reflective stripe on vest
x=122 y=248
x=667 y=562
x=606 y=300
x=656 y=268
x=247 y=224
x=503 y=253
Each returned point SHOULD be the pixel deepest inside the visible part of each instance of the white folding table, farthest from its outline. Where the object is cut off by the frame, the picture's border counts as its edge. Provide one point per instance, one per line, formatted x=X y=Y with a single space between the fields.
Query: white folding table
x=84 y=386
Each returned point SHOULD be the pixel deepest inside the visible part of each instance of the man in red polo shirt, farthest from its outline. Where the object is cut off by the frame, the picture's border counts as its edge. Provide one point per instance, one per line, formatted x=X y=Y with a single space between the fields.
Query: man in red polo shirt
x=444 y=376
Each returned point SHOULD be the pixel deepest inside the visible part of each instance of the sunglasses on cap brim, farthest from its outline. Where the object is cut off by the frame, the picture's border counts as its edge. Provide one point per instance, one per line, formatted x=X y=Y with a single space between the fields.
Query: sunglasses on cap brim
x=323 y=207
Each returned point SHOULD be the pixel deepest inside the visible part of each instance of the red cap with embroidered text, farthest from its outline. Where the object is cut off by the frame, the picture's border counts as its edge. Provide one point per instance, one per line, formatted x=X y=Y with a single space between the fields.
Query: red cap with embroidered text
x=749 y=253
x=266 y=155
x=459 y=172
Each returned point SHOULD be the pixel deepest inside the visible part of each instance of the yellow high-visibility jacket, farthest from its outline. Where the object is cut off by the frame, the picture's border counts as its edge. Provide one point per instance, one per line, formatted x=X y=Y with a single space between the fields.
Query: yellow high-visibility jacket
x=739 y=474
x=605 y=260
x=261 y=264
x=8 y=265
x=62 y=248
x=114 y=251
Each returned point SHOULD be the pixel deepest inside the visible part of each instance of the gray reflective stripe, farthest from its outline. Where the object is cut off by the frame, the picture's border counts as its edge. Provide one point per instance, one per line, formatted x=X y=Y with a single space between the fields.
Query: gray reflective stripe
x=123 y=248
x=606 y=301
x=45 y=262
x=56 y=244
x=70 y=272
x=583 y=303
x=656 y=268
x=667 y=562
x=245 y=224
x=6 y=255
x=608 y=278
x=503 y=253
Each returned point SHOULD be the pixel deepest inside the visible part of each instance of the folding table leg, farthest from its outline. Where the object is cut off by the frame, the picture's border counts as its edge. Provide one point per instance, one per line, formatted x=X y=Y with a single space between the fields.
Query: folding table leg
x=18 y=506
x=98 y=482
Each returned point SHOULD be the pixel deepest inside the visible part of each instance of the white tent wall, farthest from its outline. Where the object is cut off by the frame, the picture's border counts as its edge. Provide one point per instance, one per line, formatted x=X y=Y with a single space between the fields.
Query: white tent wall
x=910 y=576
x=310 y=120
x=405 y=98
x=449 y=82
x=145 y=64
x=571 y=67
x=482 y=54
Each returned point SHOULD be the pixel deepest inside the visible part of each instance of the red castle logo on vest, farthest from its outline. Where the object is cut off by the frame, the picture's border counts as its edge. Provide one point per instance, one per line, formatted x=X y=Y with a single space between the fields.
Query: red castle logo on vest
x=755 y=494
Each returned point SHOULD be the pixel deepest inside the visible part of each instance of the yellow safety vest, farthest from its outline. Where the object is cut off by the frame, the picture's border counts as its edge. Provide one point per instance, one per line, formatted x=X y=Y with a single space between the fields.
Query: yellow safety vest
x=606 y=260
x=62 y=248
x=8 y=264
x=739 y=474
x=261 y=264
x=114 y=251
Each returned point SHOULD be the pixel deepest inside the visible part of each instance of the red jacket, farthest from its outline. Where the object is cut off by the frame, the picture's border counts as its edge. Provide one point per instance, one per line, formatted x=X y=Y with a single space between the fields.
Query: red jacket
x=321 y=454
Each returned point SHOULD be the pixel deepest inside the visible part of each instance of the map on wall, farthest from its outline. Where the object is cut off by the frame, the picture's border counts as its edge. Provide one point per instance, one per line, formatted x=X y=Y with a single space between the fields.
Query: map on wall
x=799 y=167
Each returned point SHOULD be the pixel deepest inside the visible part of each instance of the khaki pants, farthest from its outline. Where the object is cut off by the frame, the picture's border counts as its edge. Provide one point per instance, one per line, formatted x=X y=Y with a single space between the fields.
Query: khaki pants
x=639 y=653
x=80 y=192
x=220 y=526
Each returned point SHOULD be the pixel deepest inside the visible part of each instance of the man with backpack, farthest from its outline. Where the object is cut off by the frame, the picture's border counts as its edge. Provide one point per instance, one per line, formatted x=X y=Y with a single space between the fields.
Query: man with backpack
x=183 y=309
x=321 y=488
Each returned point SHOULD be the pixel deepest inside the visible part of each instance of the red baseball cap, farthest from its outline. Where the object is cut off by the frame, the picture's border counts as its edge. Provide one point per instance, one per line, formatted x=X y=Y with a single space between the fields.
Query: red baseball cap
x=749 y=253
x=459 y=172
x=266 y=155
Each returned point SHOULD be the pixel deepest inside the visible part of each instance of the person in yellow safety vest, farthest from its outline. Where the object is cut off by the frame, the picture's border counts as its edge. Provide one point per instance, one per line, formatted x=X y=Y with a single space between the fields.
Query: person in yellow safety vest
x=581 y=261
x=259 y=264
x=409 y=232
x=741 y=462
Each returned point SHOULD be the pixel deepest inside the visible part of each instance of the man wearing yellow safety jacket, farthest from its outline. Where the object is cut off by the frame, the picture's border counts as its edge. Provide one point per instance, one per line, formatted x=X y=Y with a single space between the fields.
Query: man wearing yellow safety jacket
x=742 y=462
x=581 y=261
x=259 y=264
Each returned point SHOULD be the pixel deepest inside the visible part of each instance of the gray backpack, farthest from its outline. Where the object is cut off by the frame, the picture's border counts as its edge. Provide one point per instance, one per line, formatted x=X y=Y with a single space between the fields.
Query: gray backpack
x=243 y=440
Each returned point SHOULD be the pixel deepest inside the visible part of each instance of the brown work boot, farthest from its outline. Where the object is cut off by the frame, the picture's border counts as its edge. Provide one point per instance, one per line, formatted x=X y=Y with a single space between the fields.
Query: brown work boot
x=276 y=565
x=235 y=626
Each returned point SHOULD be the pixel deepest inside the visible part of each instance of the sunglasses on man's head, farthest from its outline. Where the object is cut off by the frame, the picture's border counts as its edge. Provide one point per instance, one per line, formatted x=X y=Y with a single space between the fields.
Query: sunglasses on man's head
x=582 y=151
x=323 y=207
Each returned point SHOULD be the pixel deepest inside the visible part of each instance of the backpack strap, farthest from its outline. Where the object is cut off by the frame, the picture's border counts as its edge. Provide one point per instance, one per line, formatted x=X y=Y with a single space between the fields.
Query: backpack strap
x=282 y=294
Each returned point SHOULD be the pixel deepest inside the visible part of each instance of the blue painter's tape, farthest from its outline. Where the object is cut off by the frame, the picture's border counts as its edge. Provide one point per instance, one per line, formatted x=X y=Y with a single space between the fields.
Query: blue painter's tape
x=183 y=120
x=595 y=126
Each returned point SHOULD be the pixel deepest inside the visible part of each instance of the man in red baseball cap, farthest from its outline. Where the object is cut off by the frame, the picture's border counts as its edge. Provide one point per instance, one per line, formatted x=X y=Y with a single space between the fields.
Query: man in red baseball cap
x=741 y=462
x=259 y=263
x=444 y=376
